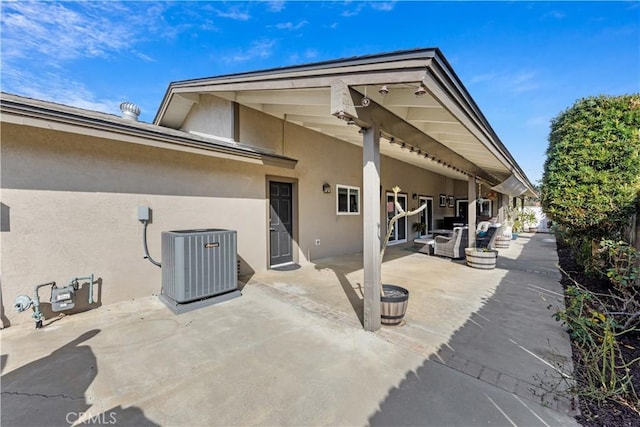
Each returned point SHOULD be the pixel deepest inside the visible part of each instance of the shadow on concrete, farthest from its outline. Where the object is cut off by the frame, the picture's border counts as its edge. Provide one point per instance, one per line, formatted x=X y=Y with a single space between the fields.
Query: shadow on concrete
x=355 y=291
x=4 y=320
x=5 y=218
x=354 y=295
x=51 y=391
x=490 y=372
x=245 y=272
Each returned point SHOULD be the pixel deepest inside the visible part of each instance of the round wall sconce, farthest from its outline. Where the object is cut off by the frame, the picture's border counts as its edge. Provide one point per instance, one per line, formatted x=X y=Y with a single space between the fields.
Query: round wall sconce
x=326 y=188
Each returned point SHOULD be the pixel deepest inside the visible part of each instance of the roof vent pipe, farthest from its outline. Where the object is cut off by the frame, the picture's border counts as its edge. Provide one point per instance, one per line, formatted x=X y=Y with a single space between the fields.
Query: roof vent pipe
x=130 y=111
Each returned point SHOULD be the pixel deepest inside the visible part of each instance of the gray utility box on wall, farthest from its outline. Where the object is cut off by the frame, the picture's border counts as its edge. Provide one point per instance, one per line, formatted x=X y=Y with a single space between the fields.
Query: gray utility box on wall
x=198 y=268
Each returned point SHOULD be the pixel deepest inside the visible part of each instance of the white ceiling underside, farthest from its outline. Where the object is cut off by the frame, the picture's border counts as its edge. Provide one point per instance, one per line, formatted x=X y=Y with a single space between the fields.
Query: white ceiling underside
x=443 y=129
x=311 y=108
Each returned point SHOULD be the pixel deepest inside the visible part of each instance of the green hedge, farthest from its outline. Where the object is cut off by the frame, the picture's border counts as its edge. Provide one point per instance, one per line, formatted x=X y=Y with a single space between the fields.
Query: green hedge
x=591 y=181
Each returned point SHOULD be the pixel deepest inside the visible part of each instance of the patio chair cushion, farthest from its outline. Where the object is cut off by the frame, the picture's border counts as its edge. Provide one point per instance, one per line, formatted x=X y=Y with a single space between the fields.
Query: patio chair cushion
x=452 y=247
x=483 y=226
x=488 y=240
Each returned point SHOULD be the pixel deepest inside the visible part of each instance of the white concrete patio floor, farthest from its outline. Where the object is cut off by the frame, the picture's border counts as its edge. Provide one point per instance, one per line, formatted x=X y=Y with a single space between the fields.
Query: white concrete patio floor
x=473 y=350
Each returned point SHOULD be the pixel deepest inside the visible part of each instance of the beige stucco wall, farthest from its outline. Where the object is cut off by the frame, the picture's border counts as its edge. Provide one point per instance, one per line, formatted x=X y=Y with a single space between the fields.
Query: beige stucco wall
x=72 y=202
x=320 y=160
x=412 y=179
x=211 y=115
x=263 y=130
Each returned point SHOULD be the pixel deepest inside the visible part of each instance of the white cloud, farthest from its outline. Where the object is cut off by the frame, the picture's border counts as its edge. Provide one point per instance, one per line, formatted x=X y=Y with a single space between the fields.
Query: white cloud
x=383 y=5
x=234 y=13
x=56 y=88
x=347 y=13
x=483 y=77
x=275 y=6
x=258 y=49
x=554 y=14
x=58 y=32
x=291 y=26
x=42 y=42
x=505 y=81
x=523 y=81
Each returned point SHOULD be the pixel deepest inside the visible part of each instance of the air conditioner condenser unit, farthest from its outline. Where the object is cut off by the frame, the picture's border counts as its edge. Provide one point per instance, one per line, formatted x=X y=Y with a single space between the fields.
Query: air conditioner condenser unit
x=198 y=268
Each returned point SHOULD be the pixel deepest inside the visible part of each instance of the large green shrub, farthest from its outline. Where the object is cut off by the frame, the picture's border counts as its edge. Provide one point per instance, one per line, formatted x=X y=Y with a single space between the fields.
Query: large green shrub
x=591 y=181
x=591 y=190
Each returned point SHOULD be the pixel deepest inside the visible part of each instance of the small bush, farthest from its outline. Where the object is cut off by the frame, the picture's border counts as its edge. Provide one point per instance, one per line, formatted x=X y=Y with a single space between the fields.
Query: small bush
x=621 y=264
x=606 y=374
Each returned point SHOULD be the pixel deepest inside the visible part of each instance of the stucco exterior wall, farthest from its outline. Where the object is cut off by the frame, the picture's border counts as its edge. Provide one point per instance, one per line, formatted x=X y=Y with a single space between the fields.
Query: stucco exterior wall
x=412 y=179
x=322 y=159
x=211 y=115
x=71 y=202
x=262 y=130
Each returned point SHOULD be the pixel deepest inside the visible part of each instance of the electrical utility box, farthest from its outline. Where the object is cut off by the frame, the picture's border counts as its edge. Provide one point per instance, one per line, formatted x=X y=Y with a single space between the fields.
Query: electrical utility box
x=198 y=265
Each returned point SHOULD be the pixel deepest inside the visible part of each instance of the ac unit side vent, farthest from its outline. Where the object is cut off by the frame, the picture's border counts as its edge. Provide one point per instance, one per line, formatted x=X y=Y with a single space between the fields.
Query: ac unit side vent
x=198 y=264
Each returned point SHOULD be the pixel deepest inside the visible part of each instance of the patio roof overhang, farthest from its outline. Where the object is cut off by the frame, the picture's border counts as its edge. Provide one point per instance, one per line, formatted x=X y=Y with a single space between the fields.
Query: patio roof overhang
x=441 y=130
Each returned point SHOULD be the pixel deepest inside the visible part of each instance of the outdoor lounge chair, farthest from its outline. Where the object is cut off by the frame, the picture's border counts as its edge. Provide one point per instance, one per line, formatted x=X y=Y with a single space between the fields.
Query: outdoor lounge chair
x=483 y=227
x=452 y=247
x=488 y=240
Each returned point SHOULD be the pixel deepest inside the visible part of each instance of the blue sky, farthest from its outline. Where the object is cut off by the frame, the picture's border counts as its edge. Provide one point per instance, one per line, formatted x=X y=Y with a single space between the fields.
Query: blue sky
x=522 y=62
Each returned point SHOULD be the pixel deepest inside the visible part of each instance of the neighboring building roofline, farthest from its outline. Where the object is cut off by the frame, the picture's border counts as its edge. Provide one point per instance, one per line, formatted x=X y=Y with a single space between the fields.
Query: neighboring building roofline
x=78 y=120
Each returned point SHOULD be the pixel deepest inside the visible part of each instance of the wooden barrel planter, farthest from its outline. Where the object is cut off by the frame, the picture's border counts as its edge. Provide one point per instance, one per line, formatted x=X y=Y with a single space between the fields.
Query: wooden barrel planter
x=484 y=259
x=502 y=242
x=393 y=304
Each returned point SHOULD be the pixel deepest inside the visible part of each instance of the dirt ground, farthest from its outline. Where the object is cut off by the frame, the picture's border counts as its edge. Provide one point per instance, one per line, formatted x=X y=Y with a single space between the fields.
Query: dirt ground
x=610 y=414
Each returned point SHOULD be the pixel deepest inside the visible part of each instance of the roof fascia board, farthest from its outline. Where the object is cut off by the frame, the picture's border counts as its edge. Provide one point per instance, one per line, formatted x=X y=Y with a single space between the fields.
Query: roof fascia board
x=288 y=84
x=379 y=69
x=452 y=104
x=448 y=78
x=25 y=115
x=420 y=55
x=331 y=73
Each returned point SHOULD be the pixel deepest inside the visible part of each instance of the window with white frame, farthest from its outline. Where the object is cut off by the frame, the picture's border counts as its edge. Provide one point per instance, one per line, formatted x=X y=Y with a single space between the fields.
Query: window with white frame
x=485 y=207
x=348 y=200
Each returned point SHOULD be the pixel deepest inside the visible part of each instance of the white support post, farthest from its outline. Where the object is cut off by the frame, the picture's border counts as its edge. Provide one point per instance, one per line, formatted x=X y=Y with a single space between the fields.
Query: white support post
x=471 y=214
x=371 y=228
x=503 y=201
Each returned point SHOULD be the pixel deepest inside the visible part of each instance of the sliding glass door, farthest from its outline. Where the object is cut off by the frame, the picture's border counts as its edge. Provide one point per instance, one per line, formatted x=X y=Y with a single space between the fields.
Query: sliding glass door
x=399 y=233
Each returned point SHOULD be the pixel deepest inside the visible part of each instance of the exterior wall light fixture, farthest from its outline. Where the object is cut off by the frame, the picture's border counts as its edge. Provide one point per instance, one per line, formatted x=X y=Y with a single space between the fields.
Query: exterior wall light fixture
x=383 y=91
x=420 y=91
x=326 y=188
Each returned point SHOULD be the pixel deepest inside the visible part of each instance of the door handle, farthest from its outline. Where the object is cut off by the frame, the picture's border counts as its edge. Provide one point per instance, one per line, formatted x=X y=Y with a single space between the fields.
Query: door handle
x=272 y=229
